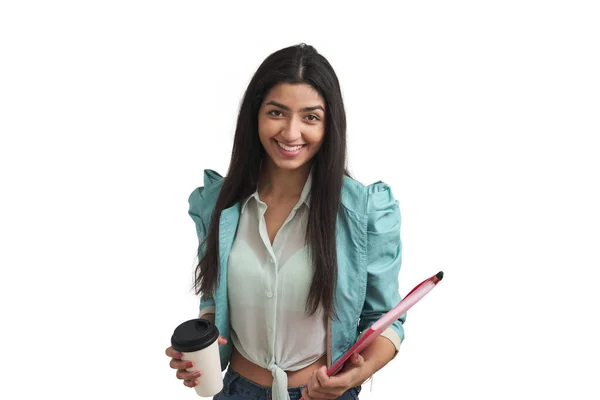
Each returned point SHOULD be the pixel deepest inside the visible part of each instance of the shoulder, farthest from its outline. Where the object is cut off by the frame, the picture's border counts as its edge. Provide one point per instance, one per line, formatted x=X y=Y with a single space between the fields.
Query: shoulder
x=202 y=200
x=367 y=199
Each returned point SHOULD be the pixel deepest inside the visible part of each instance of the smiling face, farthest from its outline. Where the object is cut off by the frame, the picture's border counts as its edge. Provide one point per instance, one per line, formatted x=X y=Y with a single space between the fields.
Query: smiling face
x=291 y=124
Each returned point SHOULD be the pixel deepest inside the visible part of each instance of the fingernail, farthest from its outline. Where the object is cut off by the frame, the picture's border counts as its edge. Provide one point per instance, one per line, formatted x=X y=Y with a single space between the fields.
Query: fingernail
x=195 y=383
x=189 y=364
x=197 y=374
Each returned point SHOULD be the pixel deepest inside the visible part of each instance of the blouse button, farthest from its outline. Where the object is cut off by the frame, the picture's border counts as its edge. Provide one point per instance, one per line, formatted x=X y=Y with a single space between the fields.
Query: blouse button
x=269 y=294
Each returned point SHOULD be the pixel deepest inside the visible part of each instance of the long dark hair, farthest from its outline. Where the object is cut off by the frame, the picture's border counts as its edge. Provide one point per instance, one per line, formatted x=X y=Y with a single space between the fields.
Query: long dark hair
x=295 y=64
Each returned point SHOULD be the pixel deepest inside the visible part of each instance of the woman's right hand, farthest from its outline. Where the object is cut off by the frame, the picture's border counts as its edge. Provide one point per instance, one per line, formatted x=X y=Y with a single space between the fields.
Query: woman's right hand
x=189 y=378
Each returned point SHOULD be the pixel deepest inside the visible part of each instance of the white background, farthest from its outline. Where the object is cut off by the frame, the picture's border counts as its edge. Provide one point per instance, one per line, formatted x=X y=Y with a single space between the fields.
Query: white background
x=482 y=116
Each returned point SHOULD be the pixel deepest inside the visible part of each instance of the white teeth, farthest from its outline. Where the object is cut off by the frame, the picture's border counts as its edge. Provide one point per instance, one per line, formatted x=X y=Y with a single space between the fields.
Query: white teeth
x=287 y=148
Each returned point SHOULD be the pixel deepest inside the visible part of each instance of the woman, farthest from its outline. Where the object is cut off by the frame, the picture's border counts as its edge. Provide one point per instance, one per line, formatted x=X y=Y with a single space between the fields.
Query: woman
x=296 y=257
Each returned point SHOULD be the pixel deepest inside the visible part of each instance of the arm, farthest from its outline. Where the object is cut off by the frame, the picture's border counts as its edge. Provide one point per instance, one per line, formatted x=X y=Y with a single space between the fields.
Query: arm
x=384 y=257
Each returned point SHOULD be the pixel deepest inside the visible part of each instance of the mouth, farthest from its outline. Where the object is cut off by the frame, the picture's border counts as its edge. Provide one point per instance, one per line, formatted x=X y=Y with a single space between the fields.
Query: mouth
x=290 y=151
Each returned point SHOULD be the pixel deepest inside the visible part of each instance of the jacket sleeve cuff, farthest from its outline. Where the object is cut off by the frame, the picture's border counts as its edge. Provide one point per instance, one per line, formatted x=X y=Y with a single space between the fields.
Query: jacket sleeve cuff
x=393 y=337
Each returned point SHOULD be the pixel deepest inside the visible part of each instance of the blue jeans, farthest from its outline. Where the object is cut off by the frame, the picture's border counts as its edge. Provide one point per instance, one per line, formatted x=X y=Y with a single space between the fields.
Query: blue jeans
x=236 y=387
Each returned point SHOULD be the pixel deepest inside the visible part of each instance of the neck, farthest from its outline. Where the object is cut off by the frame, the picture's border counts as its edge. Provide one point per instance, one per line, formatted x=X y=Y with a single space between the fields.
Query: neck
x=281 y=183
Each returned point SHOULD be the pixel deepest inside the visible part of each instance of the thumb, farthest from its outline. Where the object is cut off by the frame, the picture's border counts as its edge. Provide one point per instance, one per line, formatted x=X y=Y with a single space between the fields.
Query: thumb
x=222 y=340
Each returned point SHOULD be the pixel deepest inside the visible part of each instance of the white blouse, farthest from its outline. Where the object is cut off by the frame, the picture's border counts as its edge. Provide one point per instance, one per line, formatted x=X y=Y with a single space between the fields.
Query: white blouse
x=268 y=286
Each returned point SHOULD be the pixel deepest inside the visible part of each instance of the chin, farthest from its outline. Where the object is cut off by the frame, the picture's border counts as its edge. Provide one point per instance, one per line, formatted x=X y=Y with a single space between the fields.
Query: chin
x=289 y=165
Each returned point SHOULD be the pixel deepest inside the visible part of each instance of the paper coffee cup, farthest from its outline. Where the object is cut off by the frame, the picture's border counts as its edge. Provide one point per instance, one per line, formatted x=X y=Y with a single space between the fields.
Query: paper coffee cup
x=197 y=340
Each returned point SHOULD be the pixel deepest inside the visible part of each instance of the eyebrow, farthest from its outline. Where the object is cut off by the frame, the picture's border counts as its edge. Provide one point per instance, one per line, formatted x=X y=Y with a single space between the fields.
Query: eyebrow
x=305 y=109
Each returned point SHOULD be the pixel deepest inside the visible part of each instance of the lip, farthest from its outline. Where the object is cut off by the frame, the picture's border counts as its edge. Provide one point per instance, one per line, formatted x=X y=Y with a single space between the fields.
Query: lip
x=289 y=154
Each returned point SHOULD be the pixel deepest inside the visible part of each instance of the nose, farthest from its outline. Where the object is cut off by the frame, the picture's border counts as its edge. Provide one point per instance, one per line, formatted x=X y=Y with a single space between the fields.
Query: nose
x=292 y=130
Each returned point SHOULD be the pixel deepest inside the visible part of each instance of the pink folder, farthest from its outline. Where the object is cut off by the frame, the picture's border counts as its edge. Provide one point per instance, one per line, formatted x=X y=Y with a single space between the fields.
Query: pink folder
x=388 y=319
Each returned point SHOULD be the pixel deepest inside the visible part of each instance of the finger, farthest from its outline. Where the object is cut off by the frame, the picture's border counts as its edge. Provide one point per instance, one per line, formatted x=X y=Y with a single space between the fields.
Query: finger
x=343 y=379
x=171 y=352
x=322 y=377
x=322 y=396
x=305 y=395
x=185 y=375
x=221 y=340
x=180 y=364
x=317 y=390
x=314 y=385
x=340 y=381
x=352 y=360
x=190 y=382
x=357 y=360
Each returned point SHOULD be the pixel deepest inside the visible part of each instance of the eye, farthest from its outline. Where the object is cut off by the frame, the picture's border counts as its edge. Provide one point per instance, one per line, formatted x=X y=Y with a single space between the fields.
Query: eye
x=275 y=113
x=312 y=118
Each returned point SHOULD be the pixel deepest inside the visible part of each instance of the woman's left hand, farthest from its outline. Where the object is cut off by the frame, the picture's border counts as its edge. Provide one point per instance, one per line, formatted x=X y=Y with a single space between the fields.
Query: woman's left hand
x=322 y=386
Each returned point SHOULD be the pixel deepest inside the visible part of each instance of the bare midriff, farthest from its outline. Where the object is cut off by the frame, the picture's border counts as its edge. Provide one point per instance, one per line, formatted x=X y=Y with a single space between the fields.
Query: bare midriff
x=264 y=377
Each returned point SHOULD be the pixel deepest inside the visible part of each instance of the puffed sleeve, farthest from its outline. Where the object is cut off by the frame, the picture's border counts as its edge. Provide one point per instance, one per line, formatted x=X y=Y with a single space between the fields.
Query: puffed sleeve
x=384 y=257
x=207 y=303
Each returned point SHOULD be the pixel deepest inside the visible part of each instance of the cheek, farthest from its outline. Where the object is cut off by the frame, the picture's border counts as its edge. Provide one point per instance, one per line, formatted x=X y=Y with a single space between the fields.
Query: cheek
x=267 y=128
x=315 y=137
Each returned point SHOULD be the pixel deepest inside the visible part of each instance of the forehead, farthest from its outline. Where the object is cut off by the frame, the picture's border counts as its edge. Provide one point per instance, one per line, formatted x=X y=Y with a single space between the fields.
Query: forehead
x=295 y=94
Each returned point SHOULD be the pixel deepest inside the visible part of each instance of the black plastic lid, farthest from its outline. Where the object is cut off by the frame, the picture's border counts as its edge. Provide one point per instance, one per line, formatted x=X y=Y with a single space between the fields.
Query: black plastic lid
x=193 y=335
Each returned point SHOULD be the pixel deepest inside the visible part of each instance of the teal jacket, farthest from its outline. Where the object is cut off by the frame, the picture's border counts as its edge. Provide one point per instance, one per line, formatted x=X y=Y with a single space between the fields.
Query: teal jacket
x=368 y=252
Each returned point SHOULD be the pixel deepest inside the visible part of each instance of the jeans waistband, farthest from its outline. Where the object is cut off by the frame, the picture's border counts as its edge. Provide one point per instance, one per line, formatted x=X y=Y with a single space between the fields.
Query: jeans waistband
x=234 y=383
